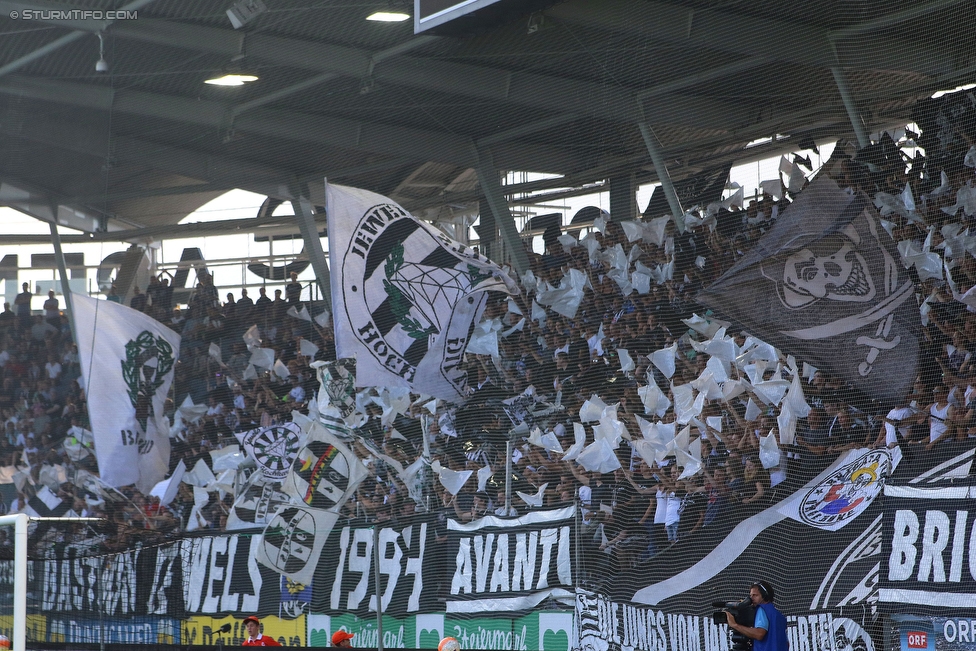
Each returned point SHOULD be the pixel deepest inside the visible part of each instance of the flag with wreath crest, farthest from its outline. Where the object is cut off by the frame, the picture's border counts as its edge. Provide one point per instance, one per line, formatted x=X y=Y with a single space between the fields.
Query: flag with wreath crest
x=405 y=296
x=127 y=361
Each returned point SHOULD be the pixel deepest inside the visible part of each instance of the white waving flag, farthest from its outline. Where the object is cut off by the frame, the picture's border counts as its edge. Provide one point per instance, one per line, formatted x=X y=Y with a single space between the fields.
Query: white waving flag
x=405 y=296
x=127 y=361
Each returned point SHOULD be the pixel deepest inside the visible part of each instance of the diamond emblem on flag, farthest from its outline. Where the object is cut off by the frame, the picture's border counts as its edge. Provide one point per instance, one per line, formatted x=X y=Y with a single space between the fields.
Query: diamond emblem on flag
x=429 y=288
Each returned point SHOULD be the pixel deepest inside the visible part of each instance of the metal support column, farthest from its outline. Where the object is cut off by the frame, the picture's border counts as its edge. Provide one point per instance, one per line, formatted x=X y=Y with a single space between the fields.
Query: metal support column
x=845 y=94
x=508 y=477
x=623 y=197
x=492 y=187
x=65 y=285
x=657 y=157
x=486 y=229
x=305 y=216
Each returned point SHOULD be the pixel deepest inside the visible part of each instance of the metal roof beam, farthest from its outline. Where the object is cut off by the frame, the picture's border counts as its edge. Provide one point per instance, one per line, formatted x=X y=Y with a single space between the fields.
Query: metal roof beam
x=89 y=138
x=752 y=36
x=302 y=127
x=523 y=88
x=46 y=206
x=217 y=172
x=59 y=42
x=146 y=193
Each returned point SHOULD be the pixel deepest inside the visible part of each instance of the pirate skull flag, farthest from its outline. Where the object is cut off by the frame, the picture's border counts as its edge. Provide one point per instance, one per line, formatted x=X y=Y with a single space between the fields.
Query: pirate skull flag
x=325 y=473
x=405 y=296
x=825 y=284
x=127 y=361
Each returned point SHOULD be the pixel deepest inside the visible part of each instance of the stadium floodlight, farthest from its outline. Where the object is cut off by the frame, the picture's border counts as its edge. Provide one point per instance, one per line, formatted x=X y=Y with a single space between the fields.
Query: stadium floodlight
x=244 y=11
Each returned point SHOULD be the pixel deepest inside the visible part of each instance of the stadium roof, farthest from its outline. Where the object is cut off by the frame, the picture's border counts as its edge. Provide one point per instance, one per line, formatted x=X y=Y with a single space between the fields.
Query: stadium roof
x=370 y=104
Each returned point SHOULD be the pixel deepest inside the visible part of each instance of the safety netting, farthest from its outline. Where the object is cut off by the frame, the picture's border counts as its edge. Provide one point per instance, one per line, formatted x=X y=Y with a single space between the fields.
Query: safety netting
x=604 y=449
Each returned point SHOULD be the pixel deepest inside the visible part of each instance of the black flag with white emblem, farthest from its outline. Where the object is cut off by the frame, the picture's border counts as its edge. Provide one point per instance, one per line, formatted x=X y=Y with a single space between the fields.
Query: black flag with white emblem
x=825 y=284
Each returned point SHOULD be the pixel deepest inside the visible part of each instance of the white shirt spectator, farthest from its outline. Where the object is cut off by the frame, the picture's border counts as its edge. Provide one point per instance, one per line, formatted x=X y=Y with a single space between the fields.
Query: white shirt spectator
x=53 y=370
x=892 y=431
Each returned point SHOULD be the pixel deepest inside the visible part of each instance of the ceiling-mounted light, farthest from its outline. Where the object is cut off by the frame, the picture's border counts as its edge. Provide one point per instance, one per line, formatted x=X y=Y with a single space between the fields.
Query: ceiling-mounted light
x=231 y=79
x=949 y=91
x=244 y=11
x=388 y=16
x=101 y=65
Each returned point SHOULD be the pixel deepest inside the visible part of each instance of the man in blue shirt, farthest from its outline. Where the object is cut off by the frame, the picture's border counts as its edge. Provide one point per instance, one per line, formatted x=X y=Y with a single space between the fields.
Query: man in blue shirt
x=769 y=631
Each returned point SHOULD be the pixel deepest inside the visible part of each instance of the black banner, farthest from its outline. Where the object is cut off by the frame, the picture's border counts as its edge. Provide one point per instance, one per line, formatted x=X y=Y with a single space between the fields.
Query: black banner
x=510 y=564
x=819 y=548
x=195 y=576
x=218 y=575
x=344 y=577
x=602 y=623
x=929 y=548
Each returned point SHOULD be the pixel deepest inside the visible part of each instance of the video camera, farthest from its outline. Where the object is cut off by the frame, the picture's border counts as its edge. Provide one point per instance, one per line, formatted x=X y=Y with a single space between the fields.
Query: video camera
x=744 y=612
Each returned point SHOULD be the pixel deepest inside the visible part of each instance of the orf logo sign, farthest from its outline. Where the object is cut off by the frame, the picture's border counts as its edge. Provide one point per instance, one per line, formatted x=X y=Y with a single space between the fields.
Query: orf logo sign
x=917 y=635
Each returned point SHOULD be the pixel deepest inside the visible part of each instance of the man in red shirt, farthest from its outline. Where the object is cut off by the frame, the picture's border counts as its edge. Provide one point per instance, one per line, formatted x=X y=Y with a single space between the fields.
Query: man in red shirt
x=253 y=626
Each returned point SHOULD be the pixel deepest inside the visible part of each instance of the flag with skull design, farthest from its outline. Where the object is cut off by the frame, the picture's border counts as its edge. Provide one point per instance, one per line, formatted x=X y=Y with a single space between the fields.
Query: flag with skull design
x=825 y=284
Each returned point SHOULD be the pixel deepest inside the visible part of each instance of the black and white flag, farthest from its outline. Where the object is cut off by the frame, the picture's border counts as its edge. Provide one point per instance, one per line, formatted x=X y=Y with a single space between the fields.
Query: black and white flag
x=336 y=397
x=273 y=448
x=825 y=283
x=928 y=562
x=46 y=505
x=405 y=296
x=256 y=502
x=325 y=473
x=293 y=541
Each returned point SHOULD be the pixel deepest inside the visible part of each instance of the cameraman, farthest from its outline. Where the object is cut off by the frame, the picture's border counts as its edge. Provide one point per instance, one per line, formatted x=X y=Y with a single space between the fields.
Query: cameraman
x=769 y=631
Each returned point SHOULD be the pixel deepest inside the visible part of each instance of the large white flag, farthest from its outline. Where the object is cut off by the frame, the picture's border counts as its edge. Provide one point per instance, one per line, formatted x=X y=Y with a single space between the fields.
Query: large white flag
x=405 y=296
x=127 y=361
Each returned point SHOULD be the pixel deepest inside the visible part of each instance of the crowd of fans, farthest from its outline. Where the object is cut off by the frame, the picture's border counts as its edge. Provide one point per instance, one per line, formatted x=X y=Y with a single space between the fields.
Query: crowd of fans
x=548 y=366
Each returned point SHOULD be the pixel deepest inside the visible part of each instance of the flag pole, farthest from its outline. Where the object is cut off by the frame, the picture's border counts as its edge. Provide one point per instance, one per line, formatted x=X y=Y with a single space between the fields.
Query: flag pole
x=376 y=580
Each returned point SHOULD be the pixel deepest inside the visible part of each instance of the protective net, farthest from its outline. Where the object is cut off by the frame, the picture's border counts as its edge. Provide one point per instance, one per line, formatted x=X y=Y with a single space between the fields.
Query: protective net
x=519 y=424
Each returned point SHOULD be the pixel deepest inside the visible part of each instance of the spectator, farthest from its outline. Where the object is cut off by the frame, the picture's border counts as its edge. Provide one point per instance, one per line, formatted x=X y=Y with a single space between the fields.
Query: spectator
x=138 y=300
x=7 y=317
x=51 y=310
x=293 y=290
x=23 y=305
